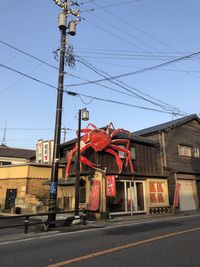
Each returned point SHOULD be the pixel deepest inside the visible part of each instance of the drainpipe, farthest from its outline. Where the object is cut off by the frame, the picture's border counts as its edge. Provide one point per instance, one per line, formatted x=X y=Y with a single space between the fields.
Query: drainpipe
x=161 y=153
x=164 y=149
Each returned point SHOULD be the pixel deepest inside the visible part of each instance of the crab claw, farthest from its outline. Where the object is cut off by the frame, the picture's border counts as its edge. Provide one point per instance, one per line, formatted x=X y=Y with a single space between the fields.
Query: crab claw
x=69 y=158
x=117 y=158
x=85 y=161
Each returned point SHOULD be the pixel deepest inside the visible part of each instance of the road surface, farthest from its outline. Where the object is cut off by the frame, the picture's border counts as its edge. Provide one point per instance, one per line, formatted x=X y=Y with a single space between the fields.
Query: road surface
x=173 y=242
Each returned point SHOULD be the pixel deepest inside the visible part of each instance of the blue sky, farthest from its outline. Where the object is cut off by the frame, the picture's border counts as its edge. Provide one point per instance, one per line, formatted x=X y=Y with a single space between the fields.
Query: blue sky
x=115 y=37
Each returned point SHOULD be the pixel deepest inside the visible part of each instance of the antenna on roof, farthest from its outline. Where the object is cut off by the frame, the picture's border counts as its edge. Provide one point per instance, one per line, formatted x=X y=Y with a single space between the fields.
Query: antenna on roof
x=3 y=142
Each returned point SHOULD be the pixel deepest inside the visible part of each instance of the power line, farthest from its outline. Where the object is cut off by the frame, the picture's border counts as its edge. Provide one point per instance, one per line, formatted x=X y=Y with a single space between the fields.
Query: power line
x=36 y=58
x=134 y=66
x=127 y=56
x=140 y=30
x=121 y=103
x=121 y=30
x=27 y=76
x=139 y=71
x=86 y=2
x=29 y=55
x=112 y=5
x=127 y=88
x=74 y=93
x=28 y=129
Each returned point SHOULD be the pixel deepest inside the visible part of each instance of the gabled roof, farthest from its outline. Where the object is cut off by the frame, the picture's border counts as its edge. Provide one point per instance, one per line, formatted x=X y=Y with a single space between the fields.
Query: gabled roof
x=11 y=152
x=123 y=135
x=167 y=125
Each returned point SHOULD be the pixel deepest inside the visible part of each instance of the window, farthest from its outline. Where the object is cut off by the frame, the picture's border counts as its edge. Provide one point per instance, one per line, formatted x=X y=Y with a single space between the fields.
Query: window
x=196 y=152
x=133 y=154
x=185 y=151
x=121 y=154
x=156 y=190
x=5 y=163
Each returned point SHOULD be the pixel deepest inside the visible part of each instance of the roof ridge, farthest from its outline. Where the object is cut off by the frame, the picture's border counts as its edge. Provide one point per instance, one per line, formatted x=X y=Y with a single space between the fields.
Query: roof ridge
x=167 y=124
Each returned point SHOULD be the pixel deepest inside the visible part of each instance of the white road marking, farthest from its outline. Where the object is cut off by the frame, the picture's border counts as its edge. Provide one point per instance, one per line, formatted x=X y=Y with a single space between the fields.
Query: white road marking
x=53 y=234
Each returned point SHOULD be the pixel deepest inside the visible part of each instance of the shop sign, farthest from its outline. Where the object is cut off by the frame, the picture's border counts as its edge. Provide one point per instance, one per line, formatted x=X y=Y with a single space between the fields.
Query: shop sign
x=110 y=186
x=46 y=152
x=94 y=198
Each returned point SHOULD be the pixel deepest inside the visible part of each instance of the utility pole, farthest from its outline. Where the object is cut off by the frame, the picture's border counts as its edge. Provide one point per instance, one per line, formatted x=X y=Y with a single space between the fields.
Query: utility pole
x=62 y=24
x=3 y=142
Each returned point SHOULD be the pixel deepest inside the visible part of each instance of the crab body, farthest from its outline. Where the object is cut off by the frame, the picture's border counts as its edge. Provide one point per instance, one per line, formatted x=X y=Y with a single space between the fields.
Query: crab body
x=101 y=140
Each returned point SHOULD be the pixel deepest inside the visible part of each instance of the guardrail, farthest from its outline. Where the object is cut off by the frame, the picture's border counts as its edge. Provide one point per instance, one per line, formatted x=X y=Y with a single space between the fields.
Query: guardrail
x=45 y=225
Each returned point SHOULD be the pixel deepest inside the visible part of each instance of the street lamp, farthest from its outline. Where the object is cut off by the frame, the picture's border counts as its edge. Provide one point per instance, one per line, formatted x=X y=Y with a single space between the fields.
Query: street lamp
x=83 y=114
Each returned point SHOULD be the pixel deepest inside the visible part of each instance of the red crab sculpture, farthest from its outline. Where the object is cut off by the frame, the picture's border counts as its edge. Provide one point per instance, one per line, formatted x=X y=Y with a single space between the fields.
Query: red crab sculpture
x=99 y=140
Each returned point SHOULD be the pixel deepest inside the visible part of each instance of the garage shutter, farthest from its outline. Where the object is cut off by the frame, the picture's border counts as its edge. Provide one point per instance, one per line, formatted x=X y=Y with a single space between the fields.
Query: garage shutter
x=187 y=195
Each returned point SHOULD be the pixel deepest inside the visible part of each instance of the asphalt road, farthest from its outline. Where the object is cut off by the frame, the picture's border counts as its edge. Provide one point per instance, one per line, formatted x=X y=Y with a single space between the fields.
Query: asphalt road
x=168 y=242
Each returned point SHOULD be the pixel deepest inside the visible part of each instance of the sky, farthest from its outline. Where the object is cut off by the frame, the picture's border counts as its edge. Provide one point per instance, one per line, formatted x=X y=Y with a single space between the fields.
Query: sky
x=136 y=65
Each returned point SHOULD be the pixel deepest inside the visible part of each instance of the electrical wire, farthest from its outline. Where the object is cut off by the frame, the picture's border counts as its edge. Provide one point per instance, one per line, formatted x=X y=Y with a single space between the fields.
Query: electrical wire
x=141 y=70
x=28 y=129
x=44 y=62
x=121 y=103
x=121 y=30
x=27 y=76
x=27 y=54
x=127 y=88
x=75 y=94
x=140 y=30
x=36 y=58
x=112 y=5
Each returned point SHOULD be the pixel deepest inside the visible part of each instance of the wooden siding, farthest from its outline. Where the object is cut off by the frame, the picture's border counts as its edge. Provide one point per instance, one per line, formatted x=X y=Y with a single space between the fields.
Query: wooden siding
x=147 y=161
x=187 y=134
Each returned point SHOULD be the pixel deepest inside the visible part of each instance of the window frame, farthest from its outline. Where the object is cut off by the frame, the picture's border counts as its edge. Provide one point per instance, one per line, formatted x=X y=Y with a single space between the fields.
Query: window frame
x=196 y=152
x=156 y=192
x=182 y=151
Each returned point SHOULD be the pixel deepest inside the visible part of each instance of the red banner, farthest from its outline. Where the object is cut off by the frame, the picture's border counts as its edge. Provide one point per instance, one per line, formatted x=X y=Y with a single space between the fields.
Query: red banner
x=110 y=186
x=176 y=195
x=94 y=198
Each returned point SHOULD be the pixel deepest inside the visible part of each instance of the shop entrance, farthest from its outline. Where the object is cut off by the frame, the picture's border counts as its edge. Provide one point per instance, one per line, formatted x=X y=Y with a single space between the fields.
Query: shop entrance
x=10 y=198
x=129 y=198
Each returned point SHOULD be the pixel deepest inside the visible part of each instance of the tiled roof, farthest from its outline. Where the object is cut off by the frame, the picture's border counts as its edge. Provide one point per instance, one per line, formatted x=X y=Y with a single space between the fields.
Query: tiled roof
x=123 y=135
x=10 y=152
x=166 y=125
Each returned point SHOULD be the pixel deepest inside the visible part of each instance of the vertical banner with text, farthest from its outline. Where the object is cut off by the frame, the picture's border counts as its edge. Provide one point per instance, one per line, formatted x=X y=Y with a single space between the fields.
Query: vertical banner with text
x=94 y=198
x=110 y=186
x=176 y=195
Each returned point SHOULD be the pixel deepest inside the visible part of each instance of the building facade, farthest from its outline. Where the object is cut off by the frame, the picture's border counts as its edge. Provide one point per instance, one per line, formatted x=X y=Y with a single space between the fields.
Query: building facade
x=180 y=154
x=26 y=187
x=144 y=191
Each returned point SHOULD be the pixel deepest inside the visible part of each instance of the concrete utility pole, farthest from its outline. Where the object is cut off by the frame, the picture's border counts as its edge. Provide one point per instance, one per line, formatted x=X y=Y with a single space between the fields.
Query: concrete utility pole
x=3 y=142
x=62 y=24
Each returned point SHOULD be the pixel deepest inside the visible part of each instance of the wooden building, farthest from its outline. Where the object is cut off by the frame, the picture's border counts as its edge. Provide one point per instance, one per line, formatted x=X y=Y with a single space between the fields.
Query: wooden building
x=180 y=153
x=144 y=191
x=11 y=155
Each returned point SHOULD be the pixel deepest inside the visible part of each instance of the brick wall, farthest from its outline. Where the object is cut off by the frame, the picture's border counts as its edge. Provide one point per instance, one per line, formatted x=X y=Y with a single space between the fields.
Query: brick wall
x=19 y=184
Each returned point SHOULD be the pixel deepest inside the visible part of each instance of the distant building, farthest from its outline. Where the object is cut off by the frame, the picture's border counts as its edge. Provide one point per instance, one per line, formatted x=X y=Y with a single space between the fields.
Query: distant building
x=44 y=151
x=11 y=155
